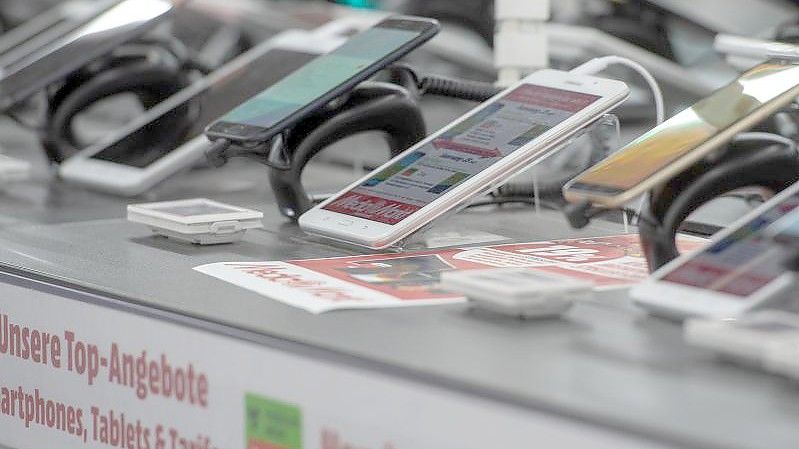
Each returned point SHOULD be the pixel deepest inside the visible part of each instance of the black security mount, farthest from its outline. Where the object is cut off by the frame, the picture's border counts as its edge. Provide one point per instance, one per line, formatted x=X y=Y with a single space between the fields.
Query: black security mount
x=373 y=106
x=151 y=69
x=769 y=166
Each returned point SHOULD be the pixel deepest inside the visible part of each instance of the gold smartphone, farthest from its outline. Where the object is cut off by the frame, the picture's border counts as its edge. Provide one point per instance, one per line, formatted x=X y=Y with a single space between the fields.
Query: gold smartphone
x=684 y=139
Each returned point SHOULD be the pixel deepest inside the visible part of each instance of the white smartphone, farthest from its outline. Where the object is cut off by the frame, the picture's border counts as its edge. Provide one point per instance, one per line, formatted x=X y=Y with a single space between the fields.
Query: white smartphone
x=476 y=153
x=129 y=164
x=741 y=269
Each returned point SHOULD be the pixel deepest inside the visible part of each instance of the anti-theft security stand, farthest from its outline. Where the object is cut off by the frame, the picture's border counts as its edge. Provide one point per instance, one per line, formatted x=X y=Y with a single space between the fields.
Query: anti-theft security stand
x=599 y=137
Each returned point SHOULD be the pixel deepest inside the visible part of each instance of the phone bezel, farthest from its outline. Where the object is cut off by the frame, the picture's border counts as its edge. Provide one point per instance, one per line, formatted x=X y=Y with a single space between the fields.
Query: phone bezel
x=376 y=235
x=680 y=301
x=243 y=133
x=614 y=196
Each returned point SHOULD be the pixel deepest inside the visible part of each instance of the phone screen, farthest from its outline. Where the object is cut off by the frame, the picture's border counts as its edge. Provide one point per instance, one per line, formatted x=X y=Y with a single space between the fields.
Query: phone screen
x=136 y=149
x=319 y=77
x=741 y=263
x=114 y=27
x=459 y=153
x=679 y=135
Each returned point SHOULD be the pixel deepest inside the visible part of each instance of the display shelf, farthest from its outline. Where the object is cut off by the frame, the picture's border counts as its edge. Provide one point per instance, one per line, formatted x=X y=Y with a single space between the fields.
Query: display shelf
x=606 y=367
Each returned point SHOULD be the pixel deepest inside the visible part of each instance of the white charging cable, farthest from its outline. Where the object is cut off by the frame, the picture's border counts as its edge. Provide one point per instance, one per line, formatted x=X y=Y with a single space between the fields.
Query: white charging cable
x=597 y=65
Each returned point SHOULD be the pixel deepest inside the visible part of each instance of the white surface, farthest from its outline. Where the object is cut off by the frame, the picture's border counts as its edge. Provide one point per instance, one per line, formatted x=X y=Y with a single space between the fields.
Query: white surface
x=522 y=9
x=522 y=49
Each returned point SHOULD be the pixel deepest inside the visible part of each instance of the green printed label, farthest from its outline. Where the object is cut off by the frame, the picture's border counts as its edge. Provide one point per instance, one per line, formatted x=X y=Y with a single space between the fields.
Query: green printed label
x=272 y=424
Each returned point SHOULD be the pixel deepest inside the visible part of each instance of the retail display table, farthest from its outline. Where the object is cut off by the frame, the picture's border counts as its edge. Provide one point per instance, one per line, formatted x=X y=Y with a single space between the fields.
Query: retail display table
x=152 y=352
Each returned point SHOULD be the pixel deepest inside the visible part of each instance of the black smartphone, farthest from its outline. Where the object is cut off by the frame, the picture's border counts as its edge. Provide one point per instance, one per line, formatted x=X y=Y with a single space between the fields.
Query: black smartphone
x=322 y=80
x=120 y=24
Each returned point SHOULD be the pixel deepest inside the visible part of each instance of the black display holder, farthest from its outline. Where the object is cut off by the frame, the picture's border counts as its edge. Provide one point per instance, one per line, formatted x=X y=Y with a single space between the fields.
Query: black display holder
x=771 y=167
x=386 y=107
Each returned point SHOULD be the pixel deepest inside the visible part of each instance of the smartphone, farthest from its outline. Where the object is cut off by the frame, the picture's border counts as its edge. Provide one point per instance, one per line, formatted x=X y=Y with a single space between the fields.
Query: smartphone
x=119 y=24
x=47 y=27
x=133 y=161
x=322 y=80
x=741 y=269
x=475 y=154
x=684 y=139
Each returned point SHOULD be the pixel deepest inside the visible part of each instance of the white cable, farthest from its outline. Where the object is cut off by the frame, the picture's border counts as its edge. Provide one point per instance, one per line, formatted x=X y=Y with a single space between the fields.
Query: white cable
x=597 y=65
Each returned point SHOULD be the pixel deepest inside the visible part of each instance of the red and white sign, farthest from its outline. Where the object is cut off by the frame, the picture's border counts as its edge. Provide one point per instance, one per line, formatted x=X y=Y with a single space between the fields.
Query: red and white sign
x=372 y=208
x=393 y=280
x=549 y=97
